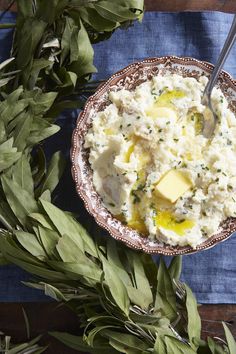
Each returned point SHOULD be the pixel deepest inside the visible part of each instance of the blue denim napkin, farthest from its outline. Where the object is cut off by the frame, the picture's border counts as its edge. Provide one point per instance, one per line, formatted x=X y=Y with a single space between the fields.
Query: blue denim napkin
x=211 y=274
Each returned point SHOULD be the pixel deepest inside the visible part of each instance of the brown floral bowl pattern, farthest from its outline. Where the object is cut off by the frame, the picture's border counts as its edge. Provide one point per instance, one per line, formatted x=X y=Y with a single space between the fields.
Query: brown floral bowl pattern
x=130 y=77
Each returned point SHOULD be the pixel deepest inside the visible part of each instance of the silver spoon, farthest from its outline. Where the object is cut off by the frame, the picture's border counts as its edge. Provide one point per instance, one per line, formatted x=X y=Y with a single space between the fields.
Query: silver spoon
x=210 y=118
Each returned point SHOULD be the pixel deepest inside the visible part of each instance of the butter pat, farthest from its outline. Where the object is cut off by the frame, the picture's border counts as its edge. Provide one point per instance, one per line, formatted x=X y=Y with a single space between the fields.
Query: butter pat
x=161 y=112
x=172 y=186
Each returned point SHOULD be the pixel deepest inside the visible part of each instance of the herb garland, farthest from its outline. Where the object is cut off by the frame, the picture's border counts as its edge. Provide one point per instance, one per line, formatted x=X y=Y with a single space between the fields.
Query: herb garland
x=125 y=301
x=31 y=347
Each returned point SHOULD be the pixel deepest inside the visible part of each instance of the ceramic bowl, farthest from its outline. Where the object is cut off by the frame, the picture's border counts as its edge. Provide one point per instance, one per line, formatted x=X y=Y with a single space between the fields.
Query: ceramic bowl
x=130 y=77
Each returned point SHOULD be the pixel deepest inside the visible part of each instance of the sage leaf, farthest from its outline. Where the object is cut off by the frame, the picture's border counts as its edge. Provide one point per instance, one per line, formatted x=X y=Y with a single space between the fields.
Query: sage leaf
x=7 y=159
x=40 y=102
x=21 y=202
x=49 y=240
x=83 y=64
x=77 y=271
x=165 y=295
x=42 y=220
x=46 y=195
x=141 y=281
x=40 y=130
x=159 y=346
x=114 y=260
x=9 y=248
x=53 y=292
x=99 y=23
x=194 y=320
x=122 y=340
x=22 y=175
x=7 y=217
x=37 y=66
x=230 y=339
x=114 y=11
x=63 y=223
x=214 y=347
x=2 y=132
x=77 y=343
x=39 y=165
x=21 y=131
x=30 y=243
x=54 y=173
x=7 y=145
x=70 y=252
x=174 y=346
x=175 y=267
x=116 y=287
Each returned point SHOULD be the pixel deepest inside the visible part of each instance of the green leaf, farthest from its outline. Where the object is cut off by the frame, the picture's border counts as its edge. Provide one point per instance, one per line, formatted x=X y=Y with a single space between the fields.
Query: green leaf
x=230 y=339
x=49 y=239
x=175 y=267
x=116 y=287
x=114 y=260
x=63 y=223
x=83 y=64
x=46 y=195
x=78 y=271
x=39 y=165
x=40 y=102
x=40 y=130
x=50 y=11
x=3 y=136
x=21 y=131
x=30 y=243
x=42 y=272
x=194 y=320
x=78 y=343
x=99 y=23
x=53 y=292
x=7 y=217
x=165 y=295
x=174 y=346
x=22 y=175
x=6 y=62
x=42 y=220
x=7 y=159
x=28 y=41
x=10 y=248
x=7 y=145
x=142 y=282
x=214 y=347
x=70 y=252
x=123 y=340
x=54 y=173
x=37 y=66
x=159 y=346
x=114 y=11
x=21 y=201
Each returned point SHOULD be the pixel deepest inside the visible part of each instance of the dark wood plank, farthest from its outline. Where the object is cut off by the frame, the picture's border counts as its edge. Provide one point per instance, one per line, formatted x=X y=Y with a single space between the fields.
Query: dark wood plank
x=172 y=5
x=212 y=317
x=44 y=317
x=191 y=5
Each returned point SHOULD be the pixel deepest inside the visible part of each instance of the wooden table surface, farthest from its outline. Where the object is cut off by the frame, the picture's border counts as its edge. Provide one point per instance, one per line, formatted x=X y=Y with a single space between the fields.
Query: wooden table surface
x=172 y=5
x=44 y=317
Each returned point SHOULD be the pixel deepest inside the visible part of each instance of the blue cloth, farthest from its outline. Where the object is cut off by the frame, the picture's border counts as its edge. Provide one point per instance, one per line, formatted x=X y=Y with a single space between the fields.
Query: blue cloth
x=211 y=274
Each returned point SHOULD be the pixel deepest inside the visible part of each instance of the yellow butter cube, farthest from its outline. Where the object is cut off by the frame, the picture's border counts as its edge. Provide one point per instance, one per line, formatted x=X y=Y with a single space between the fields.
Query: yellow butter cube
x=161 y=112
x=172 y=186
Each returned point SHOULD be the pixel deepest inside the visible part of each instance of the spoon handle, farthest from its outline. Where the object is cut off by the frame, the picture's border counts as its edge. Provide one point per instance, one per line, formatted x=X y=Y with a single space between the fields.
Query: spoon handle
x=223 y=56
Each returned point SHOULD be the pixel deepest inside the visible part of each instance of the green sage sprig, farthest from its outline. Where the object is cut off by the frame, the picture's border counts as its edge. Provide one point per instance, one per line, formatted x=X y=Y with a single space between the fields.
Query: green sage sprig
x=53 y=41
x=125 y=301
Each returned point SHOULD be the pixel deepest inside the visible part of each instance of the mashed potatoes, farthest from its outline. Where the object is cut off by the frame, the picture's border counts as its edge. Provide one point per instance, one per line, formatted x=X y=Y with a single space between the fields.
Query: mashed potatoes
x=153 y=168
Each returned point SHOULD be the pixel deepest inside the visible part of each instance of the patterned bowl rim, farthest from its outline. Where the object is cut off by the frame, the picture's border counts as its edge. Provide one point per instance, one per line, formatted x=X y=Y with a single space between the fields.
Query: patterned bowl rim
x=138 y=242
